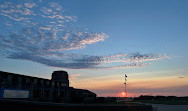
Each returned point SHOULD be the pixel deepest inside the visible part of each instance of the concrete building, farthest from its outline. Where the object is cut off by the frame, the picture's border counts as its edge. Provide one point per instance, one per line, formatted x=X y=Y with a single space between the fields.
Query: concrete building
x=16 y=86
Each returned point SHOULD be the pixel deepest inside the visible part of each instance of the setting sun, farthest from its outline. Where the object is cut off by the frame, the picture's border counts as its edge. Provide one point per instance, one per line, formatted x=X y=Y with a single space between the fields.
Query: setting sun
x=123 y=93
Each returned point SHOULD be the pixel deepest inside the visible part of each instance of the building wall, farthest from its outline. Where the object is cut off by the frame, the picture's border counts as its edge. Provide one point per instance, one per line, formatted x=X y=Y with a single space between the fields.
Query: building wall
x=42 y=89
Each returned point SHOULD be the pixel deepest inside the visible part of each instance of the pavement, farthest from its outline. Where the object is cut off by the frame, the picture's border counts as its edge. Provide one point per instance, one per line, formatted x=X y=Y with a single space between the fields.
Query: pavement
x=21 y=105
x=161 y=107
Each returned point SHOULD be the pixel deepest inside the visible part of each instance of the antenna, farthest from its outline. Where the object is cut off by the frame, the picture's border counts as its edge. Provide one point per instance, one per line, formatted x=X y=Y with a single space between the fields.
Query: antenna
x=125 y=85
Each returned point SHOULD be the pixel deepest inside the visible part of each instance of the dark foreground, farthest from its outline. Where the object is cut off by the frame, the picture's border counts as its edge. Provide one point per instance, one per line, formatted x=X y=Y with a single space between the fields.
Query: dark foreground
x=13 y=105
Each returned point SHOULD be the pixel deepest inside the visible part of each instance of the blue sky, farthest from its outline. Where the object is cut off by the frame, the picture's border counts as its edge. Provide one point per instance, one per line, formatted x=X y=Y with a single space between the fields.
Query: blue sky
x=98 y=41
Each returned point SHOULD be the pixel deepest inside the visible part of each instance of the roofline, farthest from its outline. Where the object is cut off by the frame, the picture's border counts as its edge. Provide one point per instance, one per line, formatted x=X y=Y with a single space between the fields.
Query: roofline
x=23 y=75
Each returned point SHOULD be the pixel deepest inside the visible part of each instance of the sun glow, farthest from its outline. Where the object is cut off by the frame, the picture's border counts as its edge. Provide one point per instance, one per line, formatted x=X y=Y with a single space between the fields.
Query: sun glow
x=123 y=93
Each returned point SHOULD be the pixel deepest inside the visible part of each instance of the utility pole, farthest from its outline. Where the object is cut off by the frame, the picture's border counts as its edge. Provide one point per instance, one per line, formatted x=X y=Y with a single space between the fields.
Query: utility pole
x=125 y=85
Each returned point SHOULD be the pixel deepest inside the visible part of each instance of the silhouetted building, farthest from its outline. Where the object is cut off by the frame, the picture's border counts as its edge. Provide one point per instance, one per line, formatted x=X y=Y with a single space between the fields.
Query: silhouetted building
x=33 y=88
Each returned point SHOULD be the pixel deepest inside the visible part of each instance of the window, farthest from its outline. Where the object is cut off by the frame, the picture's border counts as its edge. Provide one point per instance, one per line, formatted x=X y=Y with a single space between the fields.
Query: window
x=35 y=81
x=53 y=83
x=63 y=84
x=23 y=80
x=5 y=76
x=10 y=78
x=57 y=83
x=15 y=79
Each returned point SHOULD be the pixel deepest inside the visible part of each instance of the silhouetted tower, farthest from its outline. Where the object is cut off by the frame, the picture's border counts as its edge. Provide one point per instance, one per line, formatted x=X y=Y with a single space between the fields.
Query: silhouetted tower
x=61 y=76
x=125 y=84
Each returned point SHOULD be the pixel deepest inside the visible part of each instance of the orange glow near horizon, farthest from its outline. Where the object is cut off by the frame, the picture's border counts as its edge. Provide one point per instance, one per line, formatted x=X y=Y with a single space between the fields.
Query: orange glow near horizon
x=113 y=86
x=122 y=94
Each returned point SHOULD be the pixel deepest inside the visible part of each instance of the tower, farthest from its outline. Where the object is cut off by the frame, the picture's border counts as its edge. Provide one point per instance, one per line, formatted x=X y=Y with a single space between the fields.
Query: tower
x=61 y=76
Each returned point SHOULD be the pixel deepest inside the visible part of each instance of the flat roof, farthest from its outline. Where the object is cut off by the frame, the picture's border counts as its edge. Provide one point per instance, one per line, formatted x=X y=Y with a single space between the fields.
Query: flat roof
x=23 y=75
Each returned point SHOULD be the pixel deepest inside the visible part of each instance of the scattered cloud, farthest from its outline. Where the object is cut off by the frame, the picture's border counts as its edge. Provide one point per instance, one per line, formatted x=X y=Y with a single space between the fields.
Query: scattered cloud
x=41 y=32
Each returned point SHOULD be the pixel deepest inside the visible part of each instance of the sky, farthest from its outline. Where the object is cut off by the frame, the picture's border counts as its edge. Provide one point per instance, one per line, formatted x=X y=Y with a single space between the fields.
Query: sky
x=99 y=41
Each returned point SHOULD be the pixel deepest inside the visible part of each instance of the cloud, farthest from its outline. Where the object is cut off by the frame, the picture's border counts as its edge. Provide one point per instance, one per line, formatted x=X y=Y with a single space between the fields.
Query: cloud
x=71 y=61
x=29 y=5
x=133 y=57
x=52 y=62
x=41 y=32
x=74 y=76
x=16 y=12
x=181 y=77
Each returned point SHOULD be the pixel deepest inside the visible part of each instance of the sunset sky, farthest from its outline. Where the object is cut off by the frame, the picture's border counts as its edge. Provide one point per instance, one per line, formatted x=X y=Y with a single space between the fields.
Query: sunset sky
x=99 y=41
